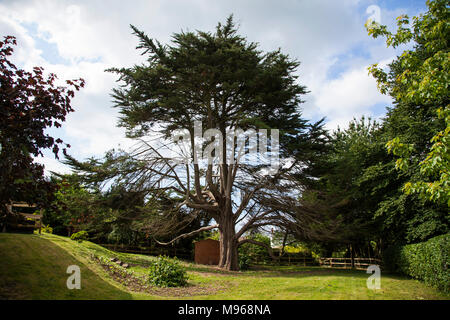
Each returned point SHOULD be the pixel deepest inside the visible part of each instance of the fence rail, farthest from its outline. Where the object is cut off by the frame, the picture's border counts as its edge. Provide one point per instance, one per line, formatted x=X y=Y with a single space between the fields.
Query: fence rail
x=338 y=263
x=290 y=260
x=346 y=263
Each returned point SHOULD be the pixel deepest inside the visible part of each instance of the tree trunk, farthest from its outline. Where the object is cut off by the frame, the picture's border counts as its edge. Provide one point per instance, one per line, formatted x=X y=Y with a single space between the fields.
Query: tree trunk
x=284 y=243
x=228 y=245
x=352 y=256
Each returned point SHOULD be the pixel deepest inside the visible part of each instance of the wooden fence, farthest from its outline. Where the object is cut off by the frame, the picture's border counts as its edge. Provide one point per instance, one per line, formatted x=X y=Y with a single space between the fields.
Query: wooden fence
x=289 y=260
x=338 y=263
x=346 y=263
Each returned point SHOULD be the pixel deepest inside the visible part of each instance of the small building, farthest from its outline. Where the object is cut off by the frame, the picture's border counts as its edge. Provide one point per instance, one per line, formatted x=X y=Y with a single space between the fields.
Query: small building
x=207 y=252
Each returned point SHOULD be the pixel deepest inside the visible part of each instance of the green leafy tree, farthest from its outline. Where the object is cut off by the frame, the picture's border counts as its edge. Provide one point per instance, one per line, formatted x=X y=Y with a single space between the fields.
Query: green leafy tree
x=363 y=189
x=359 y=176
x=418 y=81
x=73 y=207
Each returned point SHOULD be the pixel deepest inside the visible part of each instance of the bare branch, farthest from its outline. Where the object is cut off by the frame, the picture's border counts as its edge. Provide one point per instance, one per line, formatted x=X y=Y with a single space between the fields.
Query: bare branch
x=252 y=221
x=186 y=235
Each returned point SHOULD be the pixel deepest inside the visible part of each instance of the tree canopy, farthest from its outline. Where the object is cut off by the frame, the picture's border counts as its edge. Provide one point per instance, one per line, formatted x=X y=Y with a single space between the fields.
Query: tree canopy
x=30 y=104
x=381 y=197
x=418 y=82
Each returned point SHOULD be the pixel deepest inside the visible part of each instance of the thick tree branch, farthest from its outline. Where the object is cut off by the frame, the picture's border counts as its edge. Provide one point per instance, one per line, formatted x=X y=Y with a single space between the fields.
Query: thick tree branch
x=186 y=235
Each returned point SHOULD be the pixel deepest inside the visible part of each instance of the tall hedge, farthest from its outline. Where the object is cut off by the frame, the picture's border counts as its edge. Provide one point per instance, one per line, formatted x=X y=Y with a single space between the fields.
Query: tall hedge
x=427 y=261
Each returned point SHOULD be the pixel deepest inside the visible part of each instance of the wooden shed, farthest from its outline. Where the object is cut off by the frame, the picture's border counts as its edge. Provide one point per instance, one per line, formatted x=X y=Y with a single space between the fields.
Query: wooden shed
x=207 y=252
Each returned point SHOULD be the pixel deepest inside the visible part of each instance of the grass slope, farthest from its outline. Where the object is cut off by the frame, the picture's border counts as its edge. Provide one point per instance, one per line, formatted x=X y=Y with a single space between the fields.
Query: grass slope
x=34 y=267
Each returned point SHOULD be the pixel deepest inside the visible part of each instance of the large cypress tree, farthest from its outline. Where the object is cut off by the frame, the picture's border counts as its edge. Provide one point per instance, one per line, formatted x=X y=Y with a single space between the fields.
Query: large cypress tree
x=224 y=82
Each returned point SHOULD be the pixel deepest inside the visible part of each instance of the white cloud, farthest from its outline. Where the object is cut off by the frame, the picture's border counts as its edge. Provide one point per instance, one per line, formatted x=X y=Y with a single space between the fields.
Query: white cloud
x=94 y=35
x=350 y=95
x=26 y=50
x=52 y=165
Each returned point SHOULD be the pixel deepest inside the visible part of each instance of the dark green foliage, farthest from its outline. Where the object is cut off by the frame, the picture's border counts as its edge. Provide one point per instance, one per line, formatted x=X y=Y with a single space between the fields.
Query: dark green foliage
x=250 y=253
x=428 y=261
x=244 y=261
x=80 y=236
x=72 y=208
x=172 y=88
x=376 y=201
x=166 y=272
x=390 y=258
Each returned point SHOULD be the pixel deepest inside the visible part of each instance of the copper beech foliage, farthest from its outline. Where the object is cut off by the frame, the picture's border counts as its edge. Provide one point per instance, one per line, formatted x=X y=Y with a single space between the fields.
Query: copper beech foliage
x=30 y=103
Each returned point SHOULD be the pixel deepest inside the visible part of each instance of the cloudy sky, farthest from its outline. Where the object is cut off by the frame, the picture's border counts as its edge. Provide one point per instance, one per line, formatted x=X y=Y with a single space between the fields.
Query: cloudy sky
x=83 y=38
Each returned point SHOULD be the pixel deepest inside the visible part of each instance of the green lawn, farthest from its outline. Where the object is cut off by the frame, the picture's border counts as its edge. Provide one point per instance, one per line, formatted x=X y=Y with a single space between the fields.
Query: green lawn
x=34 y=267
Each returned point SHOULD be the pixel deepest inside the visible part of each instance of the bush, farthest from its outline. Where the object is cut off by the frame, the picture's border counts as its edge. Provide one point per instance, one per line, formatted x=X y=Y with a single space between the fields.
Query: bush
x=166 y=272
x=80 y=236
x=46 y=229
x=244 y=261
x=60 y=230
x=255 y=254
x=427 y=261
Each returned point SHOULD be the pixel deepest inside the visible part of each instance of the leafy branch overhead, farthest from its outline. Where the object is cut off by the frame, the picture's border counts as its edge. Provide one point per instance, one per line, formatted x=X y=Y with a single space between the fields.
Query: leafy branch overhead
x=419 y=78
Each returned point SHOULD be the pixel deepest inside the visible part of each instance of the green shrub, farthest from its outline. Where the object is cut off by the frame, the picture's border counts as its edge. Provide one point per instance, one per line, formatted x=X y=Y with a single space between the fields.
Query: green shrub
x=80 y=236
x=46 y=229
x=256 y=254
x=427 y=261
x=166 y=272
x=244 y=261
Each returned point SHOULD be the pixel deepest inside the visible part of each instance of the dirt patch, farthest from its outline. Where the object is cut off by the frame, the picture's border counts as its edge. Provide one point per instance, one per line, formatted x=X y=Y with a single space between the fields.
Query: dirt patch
x=138 y=284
